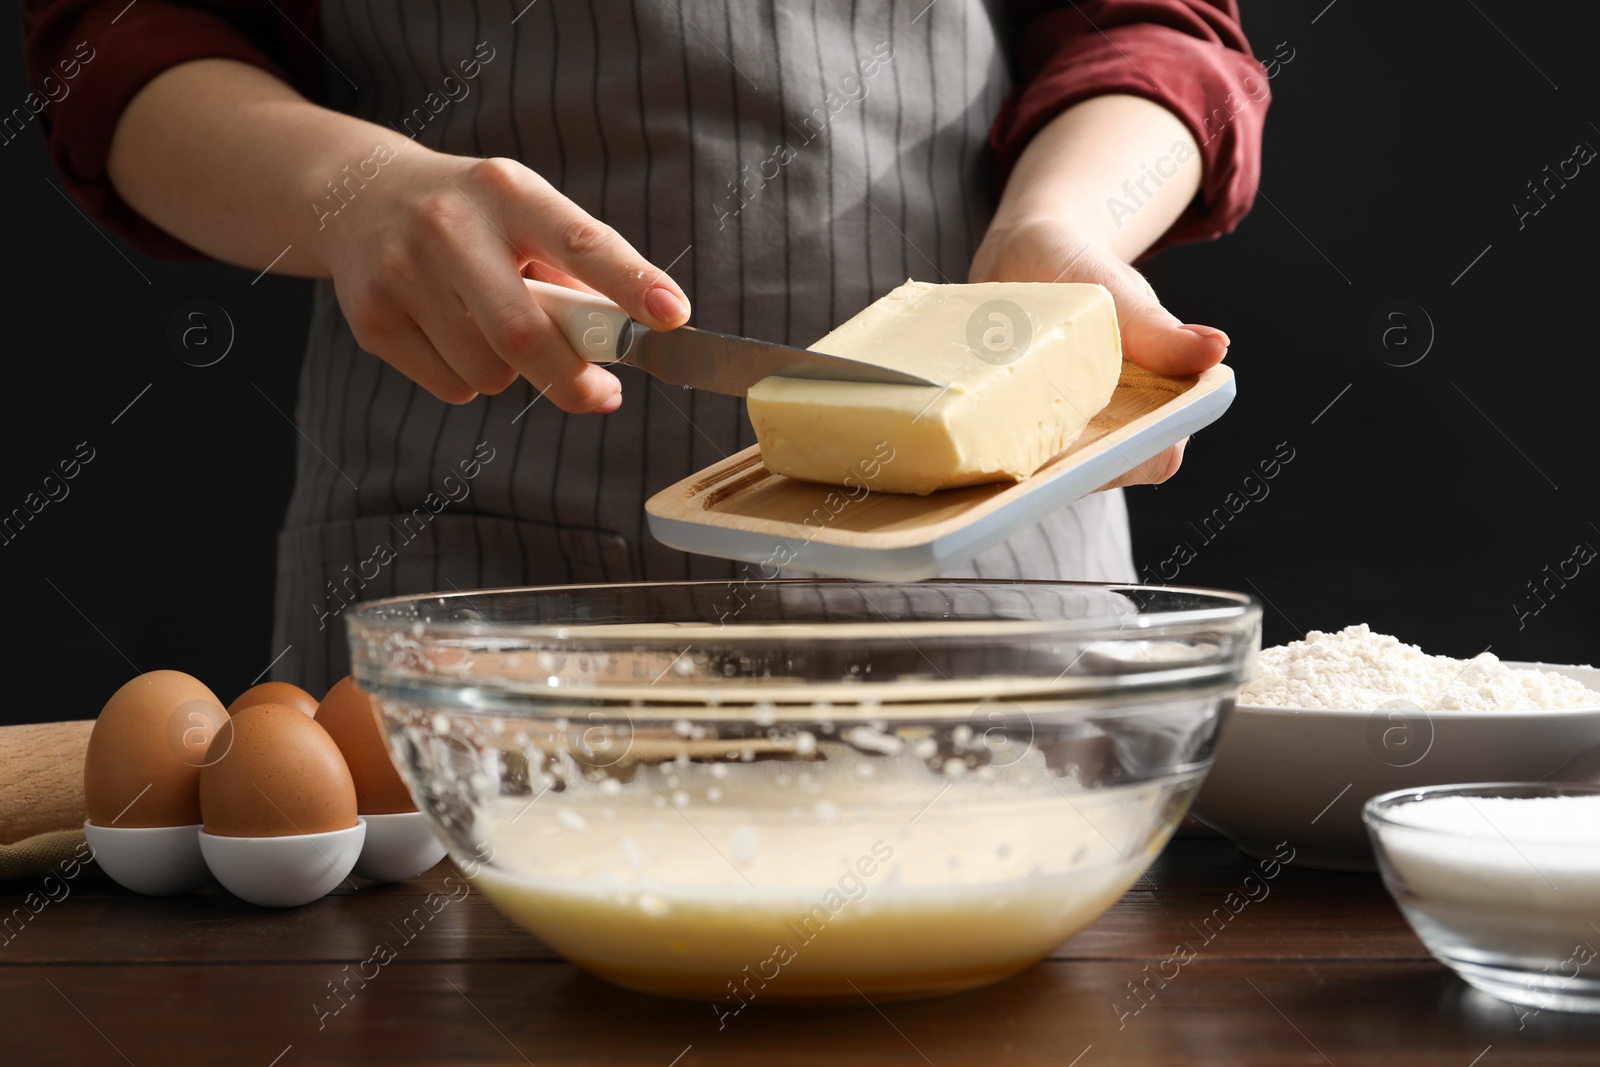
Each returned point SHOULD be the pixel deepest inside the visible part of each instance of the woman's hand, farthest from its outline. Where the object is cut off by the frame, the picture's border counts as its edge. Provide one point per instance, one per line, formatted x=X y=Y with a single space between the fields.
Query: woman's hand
x=428 y=263
x=1050 y=227
x=427 y=251
x=1049 y=250
x=1052 y=251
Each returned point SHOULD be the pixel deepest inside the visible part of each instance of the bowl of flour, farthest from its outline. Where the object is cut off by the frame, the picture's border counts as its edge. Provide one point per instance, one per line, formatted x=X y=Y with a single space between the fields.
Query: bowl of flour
x=1335 y=719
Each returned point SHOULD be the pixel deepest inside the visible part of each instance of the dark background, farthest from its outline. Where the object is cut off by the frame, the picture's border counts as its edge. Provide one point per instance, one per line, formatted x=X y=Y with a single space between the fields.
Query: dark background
x=1422 y=501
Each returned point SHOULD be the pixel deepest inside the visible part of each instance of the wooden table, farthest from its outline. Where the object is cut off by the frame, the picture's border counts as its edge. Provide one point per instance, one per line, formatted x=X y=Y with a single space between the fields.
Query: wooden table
x=1319 y=969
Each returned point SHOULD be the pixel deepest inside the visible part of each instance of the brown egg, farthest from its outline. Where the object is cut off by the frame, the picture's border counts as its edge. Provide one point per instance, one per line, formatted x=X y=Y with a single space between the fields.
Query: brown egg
x=274 y=772
x=351 y=720
x=142 y=767
x=291 y=696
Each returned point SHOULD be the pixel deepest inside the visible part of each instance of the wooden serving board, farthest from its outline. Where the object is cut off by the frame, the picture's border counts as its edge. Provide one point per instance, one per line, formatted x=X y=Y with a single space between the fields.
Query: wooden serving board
x=737 y=509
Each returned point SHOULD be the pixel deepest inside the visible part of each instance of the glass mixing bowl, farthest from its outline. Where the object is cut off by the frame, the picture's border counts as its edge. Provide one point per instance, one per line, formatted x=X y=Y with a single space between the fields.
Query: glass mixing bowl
x=804 y=789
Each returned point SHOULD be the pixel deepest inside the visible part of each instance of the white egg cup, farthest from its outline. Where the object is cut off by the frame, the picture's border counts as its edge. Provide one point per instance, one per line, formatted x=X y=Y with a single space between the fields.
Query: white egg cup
x=398 y=846
x=158 y=861
x=283 y=872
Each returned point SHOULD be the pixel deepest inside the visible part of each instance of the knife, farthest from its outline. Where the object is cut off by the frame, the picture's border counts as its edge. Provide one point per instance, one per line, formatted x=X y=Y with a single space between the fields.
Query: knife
x=602 y=332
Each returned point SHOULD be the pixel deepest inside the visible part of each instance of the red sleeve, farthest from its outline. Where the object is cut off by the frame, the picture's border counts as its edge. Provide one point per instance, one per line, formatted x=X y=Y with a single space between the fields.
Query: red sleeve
x=1190 y=56
x=88 y=58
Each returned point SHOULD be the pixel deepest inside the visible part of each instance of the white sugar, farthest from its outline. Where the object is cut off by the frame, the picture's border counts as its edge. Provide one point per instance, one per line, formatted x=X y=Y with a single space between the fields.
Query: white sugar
x=1507 y=875
x=1359 y=670
x=1573 y=820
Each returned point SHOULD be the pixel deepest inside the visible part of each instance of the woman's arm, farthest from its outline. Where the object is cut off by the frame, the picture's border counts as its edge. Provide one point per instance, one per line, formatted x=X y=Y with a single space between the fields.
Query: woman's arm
x=426 y=250
x=1189 y=56
x=88 y=58
x=1095 y=188
x=1134 y=124
x=1121 y=168
x=232 y=161
x=1053 y=225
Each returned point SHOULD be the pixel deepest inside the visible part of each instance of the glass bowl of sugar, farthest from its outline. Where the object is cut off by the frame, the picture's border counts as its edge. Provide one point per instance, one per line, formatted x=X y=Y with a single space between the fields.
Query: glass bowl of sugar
x=1501 y=881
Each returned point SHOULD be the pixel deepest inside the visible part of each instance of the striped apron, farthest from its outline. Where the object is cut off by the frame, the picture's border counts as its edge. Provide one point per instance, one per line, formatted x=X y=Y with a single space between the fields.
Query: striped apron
x=791 y=163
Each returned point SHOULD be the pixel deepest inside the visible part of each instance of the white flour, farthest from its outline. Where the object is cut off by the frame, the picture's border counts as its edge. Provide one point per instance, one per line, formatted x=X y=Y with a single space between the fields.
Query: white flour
x=1359 y=670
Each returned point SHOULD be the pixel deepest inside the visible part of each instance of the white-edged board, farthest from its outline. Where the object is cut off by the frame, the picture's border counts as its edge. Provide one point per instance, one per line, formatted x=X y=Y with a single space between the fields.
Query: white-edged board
x=737 y=509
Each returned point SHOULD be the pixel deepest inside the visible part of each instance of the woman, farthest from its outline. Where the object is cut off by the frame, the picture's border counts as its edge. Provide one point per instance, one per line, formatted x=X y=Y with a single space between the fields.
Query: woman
x=784 y=165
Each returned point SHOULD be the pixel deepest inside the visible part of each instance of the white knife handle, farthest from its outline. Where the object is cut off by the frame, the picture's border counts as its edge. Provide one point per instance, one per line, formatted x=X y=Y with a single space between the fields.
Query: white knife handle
x=594 y=325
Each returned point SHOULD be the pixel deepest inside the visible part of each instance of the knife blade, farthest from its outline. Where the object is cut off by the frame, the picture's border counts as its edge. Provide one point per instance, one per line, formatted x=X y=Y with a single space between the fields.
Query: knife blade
x=602 y=332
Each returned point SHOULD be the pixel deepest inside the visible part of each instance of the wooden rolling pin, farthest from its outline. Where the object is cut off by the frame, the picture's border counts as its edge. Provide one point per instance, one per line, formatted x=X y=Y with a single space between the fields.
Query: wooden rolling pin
x=41 y=784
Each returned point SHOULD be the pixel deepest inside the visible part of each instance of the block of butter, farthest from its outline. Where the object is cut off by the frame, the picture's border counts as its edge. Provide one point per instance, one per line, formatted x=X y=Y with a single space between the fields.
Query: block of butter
x=1021 y=368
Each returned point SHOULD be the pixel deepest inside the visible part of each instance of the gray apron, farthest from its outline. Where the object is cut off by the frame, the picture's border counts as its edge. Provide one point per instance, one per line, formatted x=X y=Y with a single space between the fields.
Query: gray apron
x=790 y=162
